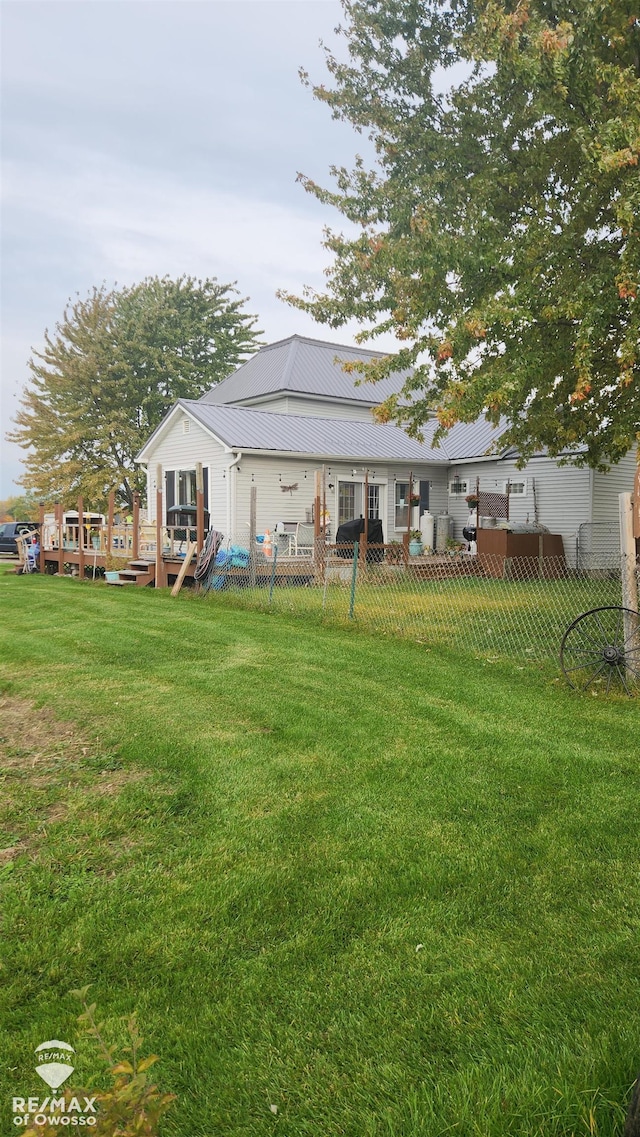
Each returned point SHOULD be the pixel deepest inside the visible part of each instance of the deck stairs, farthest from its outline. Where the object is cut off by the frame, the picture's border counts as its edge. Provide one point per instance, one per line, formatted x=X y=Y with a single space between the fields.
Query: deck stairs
x=139 y=573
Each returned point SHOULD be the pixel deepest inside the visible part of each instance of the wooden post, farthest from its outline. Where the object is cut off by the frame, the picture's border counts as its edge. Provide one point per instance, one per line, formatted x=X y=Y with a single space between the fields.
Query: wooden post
x=135 y=545
x=191 y=549
x=80 y=538
x=323 y=545
x=253 y=499
x=200 y=506
x=366 y=517
x=60 y=532
x=159 y=581
x=317 y=498
x=110 y=513
x=628 y=572
x=409 y=507
x=41 y=559
x=636 y=503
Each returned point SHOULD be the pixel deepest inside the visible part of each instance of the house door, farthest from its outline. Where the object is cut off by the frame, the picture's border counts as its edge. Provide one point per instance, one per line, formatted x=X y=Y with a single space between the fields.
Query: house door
x=349 y=501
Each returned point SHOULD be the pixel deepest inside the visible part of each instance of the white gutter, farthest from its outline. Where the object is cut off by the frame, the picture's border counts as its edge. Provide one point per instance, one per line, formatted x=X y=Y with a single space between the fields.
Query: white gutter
x=230 y=534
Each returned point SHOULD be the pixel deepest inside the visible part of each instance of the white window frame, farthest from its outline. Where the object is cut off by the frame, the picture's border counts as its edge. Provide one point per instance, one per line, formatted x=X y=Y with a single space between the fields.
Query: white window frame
x=359 y=504
x=517 y=482
x=459 y=488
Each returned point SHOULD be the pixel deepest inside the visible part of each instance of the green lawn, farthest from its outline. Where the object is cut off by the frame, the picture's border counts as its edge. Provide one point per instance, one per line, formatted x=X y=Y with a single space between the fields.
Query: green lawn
x=388 y=890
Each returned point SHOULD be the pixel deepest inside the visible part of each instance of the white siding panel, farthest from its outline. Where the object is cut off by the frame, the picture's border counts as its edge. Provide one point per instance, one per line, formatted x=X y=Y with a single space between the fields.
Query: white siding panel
x=313 y=408
x=562 y=494
x=322 y=409
x=270 y=474
x=179 y=451
x=607 y=487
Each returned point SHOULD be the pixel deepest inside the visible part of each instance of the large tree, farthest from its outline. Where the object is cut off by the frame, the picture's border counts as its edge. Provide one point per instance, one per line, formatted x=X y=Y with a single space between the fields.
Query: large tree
x=114 y=365
x=498 y=235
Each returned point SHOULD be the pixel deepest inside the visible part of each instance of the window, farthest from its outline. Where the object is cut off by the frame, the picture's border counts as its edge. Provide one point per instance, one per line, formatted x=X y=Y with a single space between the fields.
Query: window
x=459 y=487
x=373 y=504
x=180 y=487
x=402 y=505
x=186 y=487
x=516 y=488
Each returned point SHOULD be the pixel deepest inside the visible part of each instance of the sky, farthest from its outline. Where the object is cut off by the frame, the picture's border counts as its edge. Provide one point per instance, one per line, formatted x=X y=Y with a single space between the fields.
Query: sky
x=144 y=137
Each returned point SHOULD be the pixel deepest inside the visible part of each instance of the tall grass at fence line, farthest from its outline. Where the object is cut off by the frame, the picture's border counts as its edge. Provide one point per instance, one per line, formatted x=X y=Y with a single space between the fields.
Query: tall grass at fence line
x=524 y=617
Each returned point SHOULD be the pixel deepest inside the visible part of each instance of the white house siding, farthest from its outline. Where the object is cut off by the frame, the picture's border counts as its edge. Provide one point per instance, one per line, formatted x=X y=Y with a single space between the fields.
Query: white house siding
x=270 y=473
x=179 y=451
x=607 y=487
x=318 y=408
x=563 y=495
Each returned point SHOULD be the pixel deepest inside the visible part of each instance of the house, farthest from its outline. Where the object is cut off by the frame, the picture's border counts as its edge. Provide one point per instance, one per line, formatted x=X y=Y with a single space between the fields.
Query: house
x=292 y=409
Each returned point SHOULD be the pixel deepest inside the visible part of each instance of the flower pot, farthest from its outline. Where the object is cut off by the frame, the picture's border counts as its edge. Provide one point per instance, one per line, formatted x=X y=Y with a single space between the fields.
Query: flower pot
x=416 y=548
x=111 y=576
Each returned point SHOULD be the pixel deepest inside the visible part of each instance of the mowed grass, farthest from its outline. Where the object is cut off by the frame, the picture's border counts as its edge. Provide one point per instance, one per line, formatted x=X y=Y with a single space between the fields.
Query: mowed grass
x=386 y=890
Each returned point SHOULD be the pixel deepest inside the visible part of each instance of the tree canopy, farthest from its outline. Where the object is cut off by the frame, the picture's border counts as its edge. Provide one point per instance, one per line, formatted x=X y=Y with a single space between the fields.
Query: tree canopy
x=114 y=365
x=498 y=235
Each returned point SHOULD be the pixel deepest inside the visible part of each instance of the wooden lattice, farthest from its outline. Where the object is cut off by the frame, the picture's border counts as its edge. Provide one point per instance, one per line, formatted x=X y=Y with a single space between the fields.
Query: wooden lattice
x=493 y=505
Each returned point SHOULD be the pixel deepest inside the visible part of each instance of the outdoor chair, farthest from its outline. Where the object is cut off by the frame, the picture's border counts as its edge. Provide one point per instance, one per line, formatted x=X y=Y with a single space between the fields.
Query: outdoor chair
x=302 y=540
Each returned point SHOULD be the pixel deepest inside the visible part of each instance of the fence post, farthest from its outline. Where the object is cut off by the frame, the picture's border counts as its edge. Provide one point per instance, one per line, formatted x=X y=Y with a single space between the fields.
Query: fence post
x=274 y=561
x=135 y=541
x=42 y=561
x=80 y=538
x=628 y=571
x=159 y=581
x=253 y=503
x=60 y=534
x=110 y=513
x=354 y=577
x=199 y=507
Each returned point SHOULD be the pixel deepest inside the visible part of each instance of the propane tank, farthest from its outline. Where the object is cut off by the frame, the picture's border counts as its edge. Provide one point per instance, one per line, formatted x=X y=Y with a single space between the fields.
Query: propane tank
x=426 y=528
x=444 y=530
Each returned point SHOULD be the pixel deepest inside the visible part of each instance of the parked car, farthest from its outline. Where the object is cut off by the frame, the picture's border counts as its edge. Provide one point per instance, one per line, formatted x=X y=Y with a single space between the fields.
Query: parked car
x=9 y=530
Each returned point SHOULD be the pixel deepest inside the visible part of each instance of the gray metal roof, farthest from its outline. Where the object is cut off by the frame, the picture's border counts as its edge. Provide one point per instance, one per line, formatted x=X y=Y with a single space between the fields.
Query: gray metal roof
x=472 y=439
x=242 y=428
x=304 y=366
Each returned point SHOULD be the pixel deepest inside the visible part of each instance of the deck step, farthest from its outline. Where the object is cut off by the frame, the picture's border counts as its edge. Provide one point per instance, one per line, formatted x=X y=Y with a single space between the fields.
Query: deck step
x=140 y=573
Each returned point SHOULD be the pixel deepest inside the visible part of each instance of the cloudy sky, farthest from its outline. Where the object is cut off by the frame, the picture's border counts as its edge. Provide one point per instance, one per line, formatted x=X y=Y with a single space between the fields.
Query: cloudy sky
x=161 y=137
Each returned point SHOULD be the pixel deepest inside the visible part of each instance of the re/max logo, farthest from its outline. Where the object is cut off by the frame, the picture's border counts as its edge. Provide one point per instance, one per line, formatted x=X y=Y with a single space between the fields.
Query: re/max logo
x=54 y=1111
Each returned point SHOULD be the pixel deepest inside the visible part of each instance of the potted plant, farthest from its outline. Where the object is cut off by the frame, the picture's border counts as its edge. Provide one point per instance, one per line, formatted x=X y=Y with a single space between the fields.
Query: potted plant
x=416 y=548
x=472 y=500
x=113 y=566
x=414 y=501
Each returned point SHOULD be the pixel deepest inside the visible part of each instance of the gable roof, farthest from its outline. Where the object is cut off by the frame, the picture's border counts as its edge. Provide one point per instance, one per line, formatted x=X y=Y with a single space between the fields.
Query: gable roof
x=243 y=428
x=306 y=367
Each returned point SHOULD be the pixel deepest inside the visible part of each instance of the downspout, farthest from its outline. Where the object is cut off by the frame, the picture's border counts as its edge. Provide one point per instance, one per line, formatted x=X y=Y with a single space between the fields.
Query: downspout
x=237 y=458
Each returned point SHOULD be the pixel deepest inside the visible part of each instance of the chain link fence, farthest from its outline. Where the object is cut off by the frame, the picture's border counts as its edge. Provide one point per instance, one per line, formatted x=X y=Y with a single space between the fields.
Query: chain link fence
x=517 y=607
x=598 y=547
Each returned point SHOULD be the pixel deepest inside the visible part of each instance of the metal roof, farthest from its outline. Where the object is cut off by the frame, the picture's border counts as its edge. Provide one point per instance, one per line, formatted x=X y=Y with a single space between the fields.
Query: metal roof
x=472 y=439
x=246 y=428
x=242 y=428
x=304 y=366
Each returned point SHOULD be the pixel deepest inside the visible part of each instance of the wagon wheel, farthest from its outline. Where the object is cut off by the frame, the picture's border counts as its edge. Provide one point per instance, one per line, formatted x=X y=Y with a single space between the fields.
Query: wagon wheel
x=595 y=652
